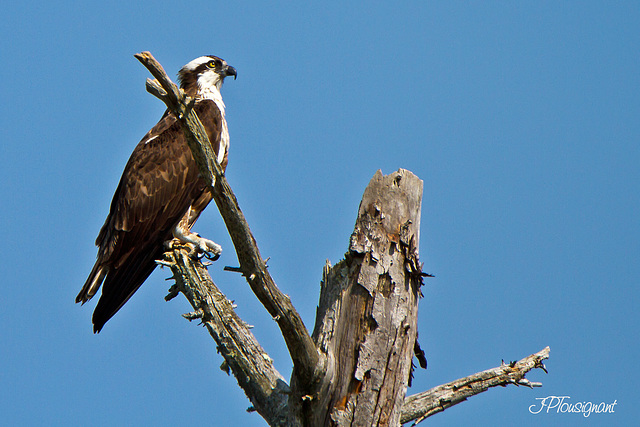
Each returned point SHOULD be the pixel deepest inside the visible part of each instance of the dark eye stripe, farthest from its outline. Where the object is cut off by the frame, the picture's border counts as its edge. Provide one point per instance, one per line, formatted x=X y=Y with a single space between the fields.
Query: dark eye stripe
x=215 y=62
x=203 y=67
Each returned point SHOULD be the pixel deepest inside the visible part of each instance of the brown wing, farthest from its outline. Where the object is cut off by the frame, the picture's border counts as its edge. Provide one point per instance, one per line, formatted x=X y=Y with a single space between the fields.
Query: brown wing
x=159 y=184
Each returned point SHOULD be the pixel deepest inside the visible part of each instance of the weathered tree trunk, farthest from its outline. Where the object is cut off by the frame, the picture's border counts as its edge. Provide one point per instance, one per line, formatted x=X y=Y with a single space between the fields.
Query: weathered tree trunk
x=355 y=367
x=367 y=315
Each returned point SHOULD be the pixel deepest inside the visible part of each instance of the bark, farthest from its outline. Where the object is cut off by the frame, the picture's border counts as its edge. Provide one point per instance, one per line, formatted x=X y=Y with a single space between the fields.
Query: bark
x=367 y=315
x=251 y=365
x=355 y=367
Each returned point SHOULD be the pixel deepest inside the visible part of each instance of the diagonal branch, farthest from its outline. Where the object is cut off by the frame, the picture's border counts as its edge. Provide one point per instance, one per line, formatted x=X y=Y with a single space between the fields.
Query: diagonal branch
x=179 y=104
x=422 y=405
x=250 y=364
x=301 y=347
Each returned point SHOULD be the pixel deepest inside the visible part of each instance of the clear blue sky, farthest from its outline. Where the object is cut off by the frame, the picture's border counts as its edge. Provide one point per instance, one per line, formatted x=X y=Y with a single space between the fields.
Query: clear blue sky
x=522 y=118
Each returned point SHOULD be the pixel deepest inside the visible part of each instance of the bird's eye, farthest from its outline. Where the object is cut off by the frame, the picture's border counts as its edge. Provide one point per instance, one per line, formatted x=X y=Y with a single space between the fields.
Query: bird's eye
x=211 y=64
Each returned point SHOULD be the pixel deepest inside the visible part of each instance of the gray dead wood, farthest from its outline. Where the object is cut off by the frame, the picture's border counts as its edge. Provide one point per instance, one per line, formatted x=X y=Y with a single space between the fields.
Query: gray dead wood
x=355 y=368
x=422 y=405
x=253 y=368
x=367 y=315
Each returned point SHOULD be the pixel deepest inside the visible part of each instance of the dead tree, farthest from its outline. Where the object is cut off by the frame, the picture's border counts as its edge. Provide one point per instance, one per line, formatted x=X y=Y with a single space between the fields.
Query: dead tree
x=354 y=368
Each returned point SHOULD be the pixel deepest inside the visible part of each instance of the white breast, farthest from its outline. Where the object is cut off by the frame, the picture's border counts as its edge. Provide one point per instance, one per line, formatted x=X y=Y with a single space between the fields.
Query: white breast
x=213 y=94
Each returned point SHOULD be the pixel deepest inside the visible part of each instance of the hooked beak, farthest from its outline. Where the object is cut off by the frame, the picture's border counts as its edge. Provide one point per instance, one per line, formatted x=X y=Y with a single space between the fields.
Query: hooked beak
x=230 y=71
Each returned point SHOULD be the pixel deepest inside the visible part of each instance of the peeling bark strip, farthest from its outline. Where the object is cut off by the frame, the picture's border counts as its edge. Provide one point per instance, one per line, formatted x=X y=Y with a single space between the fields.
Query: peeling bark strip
x=367 y=315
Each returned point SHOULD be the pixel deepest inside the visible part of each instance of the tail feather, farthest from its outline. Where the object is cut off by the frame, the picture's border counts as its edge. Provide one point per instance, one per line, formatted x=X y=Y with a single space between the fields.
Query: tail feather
x=121 y=284
x=91 y=286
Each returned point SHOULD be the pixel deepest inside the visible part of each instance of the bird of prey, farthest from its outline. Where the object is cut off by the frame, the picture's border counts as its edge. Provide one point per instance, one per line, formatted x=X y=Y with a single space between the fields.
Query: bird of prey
x=160 y=195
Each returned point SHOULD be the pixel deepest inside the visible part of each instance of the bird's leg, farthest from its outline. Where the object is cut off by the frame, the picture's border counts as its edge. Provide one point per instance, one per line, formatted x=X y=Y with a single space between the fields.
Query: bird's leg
x=202 y=245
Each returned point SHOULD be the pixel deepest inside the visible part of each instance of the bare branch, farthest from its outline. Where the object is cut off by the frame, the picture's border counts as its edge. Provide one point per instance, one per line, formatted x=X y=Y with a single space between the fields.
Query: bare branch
x=422 y=405
x=179 y=104
x=248 y=361
x=301 y=347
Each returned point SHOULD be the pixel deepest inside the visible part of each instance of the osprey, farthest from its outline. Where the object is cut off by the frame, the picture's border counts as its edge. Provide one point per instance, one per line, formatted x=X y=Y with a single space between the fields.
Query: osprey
x=160 y=195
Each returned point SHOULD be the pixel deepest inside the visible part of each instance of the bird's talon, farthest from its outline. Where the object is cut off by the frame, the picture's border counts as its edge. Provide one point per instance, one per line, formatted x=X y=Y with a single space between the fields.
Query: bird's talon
x=211 y=256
